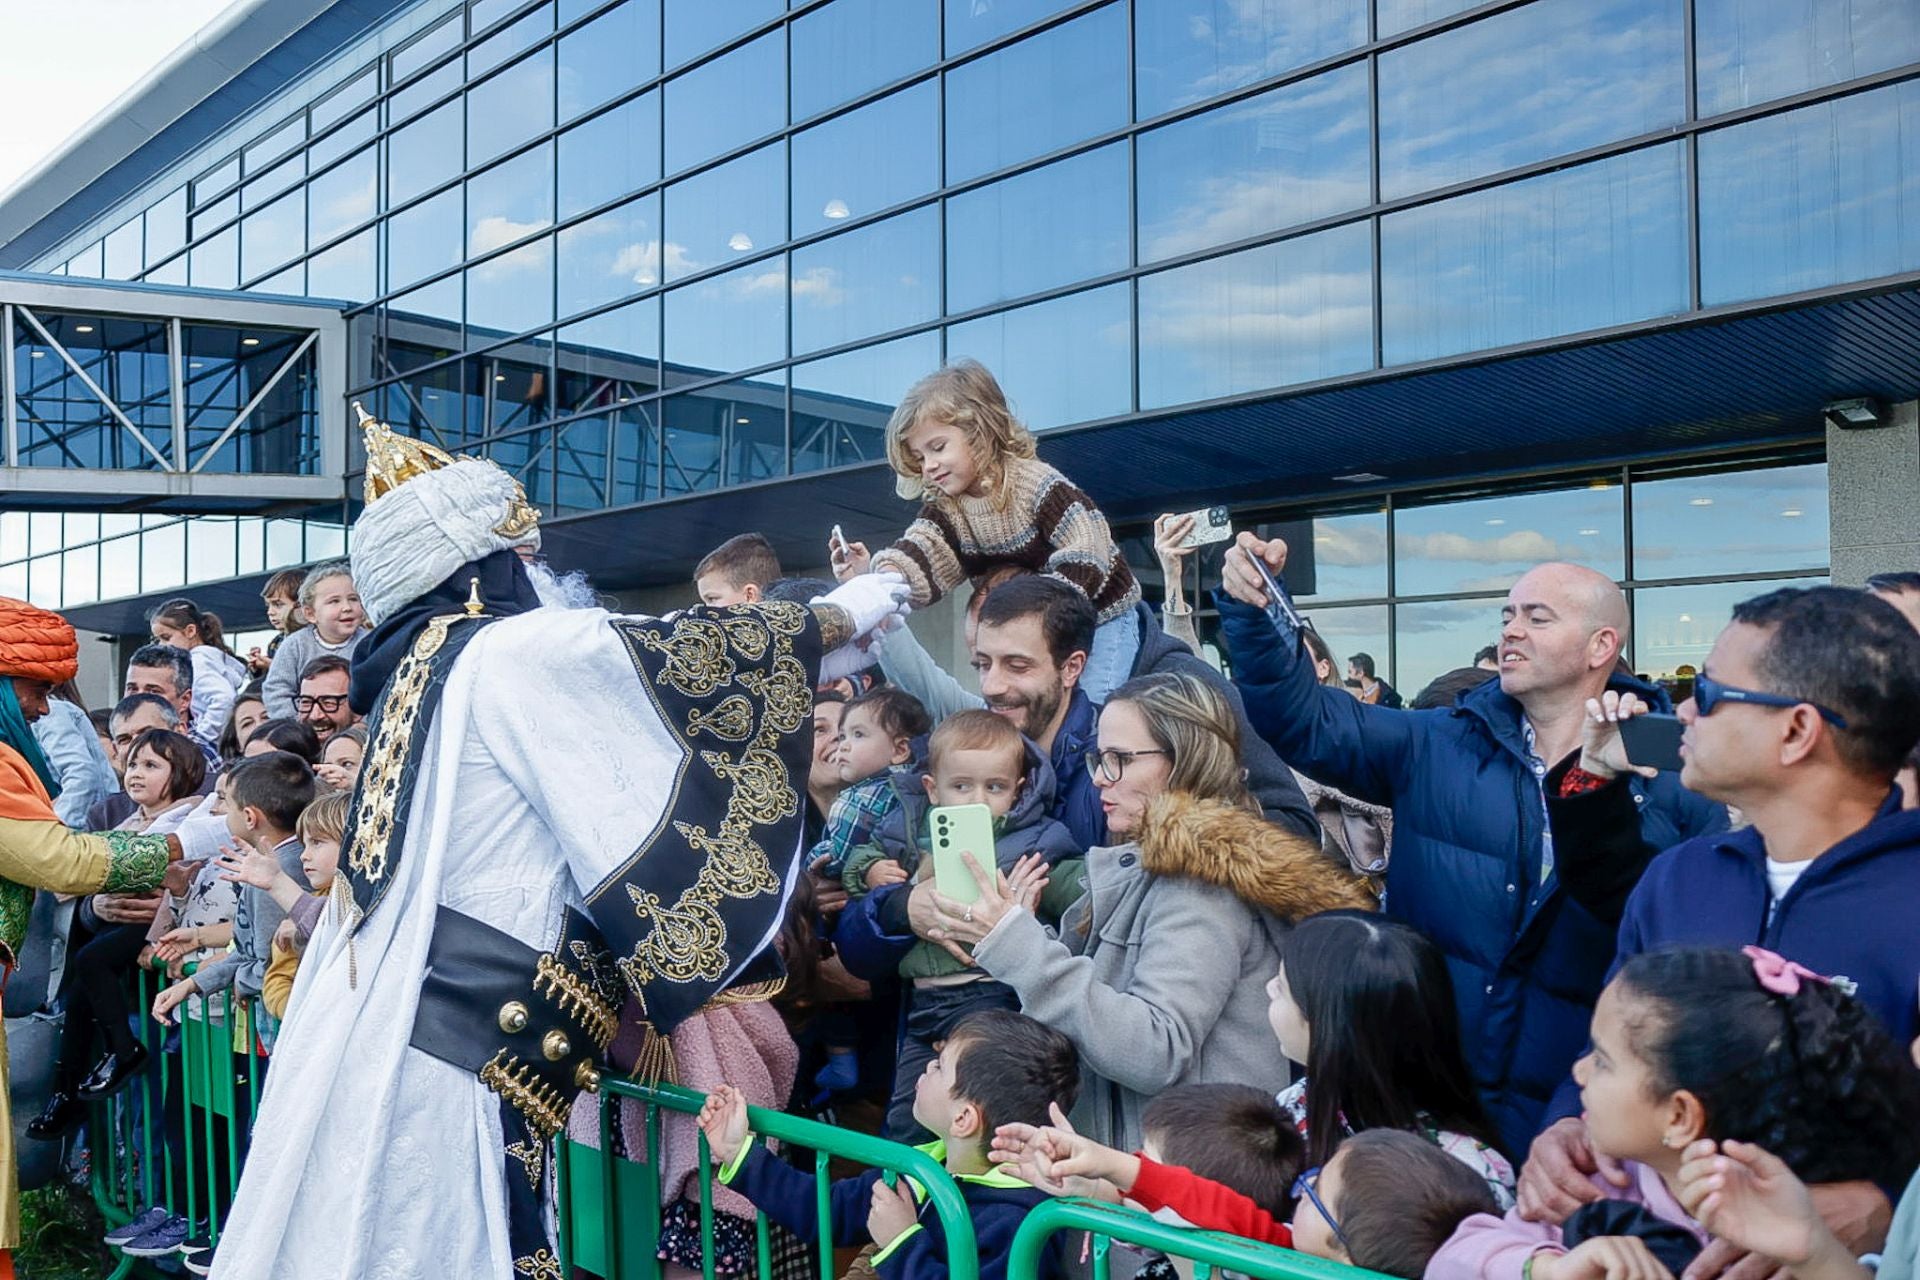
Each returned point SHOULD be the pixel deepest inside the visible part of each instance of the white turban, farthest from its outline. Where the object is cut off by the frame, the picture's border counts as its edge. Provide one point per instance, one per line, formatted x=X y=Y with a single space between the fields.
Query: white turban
x=411 y=539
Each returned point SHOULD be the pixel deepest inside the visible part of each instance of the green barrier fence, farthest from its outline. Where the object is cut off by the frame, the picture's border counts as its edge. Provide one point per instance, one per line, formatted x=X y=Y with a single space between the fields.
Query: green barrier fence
x=610 y=1208
x=1209 y=1251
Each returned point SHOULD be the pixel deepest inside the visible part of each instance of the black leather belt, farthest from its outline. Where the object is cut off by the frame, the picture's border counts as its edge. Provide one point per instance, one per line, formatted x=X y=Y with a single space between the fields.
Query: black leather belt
x=531 y=1024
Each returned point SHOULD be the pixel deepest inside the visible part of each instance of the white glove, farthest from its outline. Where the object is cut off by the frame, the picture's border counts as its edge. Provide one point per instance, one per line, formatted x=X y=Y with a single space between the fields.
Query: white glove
x=869 y=599
x=847 y=660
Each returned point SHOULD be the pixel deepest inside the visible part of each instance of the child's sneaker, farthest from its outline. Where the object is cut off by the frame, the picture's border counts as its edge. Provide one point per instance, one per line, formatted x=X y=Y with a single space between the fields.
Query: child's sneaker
x=162 y=1240
x=841 y=1073
x=196 y=1255
x=141 y=1224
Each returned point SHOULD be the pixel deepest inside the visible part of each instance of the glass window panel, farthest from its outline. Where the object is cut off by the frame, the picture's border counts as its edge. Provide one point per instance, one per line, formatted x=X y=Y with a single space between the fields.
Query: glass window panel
x=880 y=277
x=341 y=103
x=496 y=49
x=515 y=384
x=482 y=14
x=284 y=543
x=1050 y=226
x=1283 y=313
x=422 y=325
x=89 y=262
x=635 y=466
x=1750 y=51
x=510 y=108
x=707 y=112
x=424 y=239
x=723 y=435
x=733 y=209
x=695 y=26
x=211 y=549
x=424 y=154
x=325 y=540
x=971 y=23
x=291 y=282
x=347 y=272
x=215 y=263
x=207 y=219
x=580 y=465
x=841 y=404
x=174 y=272
x=1681 y=525
x=119 y=568
x=428 y=89
x=276 y=144
x=13 y=580
x=1351 y=630
x=1288 y=156
x=344 y=197
x=1816 y=196
x=1402 y=15
x=1485 y=544
x=1548 y=78
x=1600 y=244
x=732 y=321
x=252 y=557
x=610 y=155
x=46 y=533
x=610 y=256
x=272 y=236
x=510 y=293
x=425 y=49
x=1190 y=50
x=849 y=47
x=1436 y=637
x=123 y=251
x=867 y=160
x=1065 y=84
x=163 y=557
x=166 y=226
x=438 y=406
x=1065 y=360
x=268 y=185
x=1334 y=557
x=616 y=52
x=216 y=180
x=510 y=200
x=1674 y=627
x=344 y=139
x=610 y=358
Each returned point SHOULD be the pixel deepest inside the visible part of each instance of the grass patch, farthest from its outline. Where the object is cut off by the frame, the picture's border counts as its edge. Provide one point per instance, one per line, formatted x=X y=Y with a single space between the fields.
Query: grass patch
x=60 y=1232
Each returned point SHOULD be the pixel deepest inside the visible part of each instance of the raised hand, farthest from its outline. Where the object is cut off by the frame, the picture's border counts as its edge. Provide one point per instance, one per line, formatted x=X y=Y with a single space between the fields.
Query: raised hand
x=723 y=1118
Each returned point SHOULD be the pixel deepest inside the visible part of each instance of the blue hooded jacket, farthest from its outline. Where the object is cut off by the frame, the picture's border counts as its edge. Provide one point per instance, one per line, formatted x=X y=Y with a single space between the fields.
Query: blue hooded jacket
x=1469 y=829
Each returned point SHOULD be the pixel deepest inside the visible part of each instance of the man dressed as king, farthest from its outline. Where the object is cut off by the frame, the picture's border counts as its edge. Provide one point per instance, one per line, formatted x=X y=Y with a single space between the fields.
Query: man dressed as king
x=562 y=811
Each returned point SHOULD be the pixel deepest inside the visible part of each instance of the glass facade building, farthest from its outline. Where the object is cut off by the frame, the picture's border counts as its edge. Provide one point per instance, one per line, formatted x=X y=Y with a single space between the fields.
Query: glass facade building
x=640 y=250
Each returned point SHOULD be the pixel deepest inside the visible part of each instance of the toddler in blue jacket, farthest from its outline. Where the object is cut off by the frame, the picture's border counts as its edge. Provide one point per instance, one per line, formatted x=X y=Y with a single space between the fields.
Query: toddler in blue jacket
x=997 y=1067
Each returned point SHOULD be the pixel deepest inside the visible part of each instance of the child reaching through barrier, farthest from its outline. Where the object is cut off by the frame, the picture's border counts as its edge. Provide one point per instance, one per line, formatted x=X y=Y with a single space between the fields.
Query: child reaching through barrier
x=989 y=502
x=997 y=1067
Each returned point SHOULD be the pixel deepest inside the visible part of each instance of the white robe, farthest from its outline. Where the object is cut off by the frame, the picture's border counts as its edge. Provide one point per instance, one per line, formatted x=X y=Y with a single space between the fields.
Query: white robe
x=545 y=768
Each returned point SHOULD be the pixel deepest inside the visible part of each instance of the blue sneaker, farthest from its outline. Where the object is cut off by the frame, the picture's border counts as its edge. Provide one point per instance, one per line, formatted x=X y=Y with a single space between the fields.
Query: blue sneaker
x=141 y=1224
x=163 y=1240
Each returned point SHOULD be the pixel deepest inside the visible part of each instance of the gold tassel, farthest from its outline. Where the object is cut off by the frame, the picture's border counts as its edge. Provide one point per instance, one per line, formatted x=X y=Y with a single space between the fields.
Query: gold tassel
x=655 y=1063
x=346 y=914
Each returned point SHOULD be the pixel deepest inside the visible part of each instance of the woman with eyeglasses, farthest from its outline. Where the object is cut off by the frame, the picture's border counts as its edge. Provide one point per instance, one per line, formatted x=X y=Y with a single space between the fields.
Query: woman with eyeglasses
x=1158 y=971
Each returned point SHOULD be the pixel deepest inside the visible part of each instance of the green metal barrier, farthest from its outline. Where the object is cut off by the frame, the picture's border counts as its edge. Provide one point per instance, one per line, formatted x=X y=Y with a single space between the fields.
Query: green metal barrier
x=1209 y=1251
x=610 y=1208
x=217 y=1090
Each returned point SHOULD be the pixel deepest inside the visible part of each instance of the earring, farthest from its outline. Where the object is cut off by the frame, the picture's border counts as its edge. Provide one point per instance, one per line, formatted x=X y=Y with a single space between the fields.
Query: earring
x=1666 y=1140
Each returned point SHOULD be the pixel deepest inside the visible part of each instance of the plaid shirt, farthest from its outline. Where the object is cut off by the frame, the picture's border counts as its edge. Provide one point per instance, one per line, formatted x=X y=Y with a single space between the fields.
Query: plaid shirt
x=855 y=816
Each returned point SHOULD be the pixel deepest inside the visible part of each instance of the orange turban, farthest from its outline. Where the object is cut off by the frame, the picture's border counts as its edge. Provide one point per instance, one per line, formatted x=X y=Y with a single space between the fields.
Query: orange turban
x=36 y=643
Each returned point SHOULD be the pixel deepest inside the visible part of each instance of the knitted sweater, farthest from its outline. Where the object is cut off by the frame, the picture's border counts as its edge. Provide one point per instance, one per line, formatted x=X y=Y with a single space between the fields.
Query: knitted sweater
x=1039 y=521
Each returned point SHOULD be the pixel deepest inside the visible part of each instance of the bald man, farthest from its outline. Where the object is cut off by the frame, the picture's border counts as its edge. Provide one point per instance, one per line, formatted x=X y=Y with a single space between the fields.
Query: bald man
x=1901 y=590
x=1472 y=862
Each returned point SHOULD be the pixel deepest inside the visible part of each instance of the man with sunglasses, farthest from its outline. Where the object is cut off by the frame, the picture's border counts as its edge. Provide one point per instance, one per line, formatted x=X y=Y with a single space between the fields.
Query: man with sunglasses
x=322 y=700
x=1804 y=709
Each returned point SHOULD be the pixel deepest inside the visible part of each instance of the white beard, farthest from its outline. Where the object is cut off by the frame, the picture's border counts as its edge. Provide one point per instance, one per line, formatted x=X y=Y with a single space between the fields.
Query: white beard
x=562 y=591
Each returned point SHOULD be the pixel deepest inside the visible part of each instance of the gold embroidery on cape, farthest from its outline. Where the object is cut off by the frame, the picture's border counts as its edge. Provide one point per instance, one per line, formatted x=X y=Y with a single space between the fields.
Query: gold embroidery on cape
x=747 y=635
x=539 y=1265
x=697 y=662
x=732 y=720
x=788 y=697
x=760 y=790
x=532 y=1157
x=387 y=758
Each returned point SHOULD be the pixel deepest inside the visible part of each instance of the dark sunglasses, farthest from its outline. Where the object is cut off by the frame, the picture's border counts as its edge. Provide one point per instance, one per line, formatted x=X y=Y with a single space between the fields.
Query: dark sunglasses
x=1709 y=693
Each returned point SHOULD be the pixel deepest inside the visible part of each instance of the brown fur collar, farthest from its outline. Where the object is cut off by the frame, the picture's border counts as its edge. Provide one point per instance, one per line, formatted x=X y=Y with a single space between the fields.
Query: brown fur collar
x=1262 y=865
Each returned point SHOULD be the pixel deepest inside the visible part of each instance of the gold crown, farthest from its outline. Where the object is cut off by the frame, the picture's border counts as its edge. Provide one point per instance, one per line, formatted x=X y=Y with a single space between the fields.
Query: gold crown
x=394 y=459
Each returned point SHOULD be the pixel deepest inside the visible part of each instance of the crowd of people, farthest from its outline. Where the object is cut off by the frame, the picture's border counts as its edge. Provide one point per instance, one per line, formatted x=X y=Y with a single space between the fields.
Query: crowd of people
x=1443 y=986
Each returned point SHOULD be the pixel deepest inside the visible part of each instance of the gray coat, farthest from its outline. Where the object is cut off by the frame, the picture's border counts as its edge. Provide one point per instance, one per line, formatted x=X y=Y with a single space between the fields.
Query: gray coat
x=1158 y=974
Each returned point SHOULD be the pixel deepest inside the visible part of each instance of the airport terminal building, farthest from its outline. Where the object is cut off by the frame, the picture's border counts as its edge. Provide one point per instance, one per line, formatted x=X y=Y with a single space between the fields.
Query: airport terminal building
x=1438 y=289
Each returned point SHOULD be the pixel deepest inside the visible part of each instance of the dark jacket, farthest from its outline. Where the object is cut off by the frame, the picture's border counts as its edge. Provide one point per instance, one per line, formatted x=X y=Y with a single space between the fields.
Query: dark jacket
x=1268 y=777
x=1850 y=914
x=996 y=1202
x=1527 y=961
x=1076 y=801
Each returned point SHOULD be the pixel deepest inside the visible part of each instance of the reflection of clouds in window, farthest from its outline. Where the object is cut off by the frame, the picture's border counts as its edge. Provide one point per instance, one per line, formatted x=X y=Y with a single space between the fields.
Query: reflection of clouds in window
x=1746 y=528
x=1288 y=156
x=1751 y=51
x=1485 y=544
x=1265 y=317
x=1061 y=361
x=1190 y=50
x=1349 y=545
x=1547 y=79
x=492 y=232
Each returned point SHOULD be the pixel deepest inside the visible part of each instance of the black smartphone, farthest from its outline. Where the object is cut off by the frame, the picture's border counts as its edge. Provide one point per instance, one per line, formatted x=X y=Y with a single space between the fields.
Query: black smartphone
x=1279 y=607
x=1653 y=740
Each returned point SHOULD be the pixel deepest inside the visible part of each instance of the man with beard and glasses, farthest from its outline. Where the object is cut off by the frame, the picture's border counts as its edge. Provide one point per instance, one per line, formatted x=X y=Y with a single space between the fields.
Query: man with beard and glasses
x=562 y=811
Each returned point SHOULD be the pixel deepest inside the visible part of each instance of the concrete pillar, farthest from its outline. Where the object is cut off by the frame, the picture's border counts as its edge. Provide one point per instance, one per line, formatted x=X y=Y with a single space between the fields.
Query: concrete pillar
x=1873 y=496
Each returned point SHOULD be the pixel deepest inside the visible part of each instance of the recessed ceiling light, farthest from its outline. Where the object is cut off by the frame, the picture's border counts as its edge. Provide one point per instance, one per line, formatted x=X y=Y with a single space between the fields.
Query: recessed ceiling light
x=249 y=342
x=499 y=377
x=1496 y=521
x=194 y=364
x=1792 y=511
x=1359 y=477
x=1686 y=617
x=38 y=354
x=1700 y=502
x=83 y=328
x=836 y=208
x=1601 y=484
x=742 y=421
x=1588 y=533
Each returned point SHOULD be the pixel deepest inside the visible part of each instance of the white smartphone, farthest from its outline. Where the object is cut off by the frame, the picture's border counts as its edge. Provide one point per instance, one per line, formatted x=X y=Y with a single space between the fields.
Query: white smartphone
x=837 y=544
x=1210 y=525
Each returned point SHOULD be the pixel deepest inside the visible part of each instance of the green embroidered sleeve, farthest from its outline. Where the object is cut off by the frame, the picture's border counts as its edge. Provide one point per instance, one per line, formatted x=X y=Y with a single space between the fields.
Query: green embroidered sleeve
x=134 y=862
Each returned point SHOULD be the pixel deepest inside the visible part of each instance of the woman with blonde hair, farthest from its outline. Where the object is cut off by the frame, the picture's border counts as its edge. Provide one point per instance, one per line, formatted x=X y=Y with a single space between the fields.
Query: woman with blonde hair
x=1158 y=971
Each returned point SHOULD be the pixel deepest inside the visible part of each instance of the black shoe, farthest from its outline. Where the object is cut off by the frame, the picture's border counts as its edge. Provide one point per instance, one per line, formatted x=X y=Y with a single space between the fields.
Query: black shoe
x=58 y=1118
x=111 y=1073
x=196 y=1254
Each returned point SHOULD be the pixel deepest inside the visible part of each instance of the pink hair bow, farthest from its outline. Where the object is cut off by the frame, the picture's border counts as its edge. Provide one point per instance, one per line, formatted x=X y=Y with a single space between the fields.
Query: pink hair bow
x=1778 y=974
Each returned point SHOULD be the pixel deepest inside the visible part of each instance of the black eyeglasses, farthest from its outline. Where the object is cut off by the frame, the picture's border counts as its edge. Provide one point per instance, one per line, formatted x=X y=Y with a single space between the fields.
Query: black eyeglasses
x=327 y=702
x=1111 y=764
x=1709 y=693
x=1303 y=1186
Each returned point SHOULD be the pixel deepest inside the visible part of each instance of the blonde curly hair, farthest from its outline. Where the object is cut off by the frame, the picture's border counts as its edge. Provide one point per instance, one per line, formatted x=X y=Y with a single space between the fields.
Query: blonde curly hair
x=964 y=395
